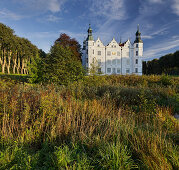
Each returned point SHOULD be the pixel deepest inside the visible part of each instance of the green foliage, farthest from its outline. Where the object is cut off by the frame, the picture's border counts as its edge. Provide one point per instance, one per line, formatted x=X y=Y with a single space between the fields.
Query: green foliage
x=115 y=156
x=166 y=80
x=61 y=66
x=168 y=64
x=15 y=53
x=35 y=69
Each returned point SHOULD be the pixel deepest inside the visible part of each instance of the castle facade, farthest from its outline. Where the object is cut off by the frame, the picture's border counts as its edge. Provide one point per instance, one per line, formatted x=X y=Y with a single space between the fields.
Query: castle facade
x=115 y=58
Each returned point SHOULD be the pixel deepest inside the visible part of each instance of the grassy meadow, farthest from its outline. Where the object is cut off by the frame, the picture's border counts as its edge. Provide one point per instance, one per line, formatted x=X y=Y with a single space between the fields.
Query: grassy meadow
x=100 y=122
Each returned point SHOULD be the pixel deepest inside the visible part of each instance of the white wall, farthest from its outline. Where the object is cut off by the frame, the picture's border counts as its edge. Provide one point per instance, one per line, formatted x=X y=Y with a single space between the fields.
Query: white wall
x=113 y=61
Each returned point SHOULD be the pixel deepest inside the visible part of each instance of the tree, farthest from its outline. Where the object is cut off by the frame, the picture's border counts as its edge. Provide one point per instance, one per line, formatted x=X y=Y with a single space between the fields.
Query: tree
x=71 y=43
x=168 y=64
x=61 y=66
x=94 y=68
x=15 y=52
x=37 y=67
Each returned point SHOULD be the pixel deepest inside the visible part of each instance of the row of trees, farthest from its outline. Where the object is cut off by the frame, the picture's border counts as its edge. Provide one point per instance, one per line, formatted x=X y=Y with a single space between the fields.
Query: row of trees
x=15 y=53
x=168 y=64
x=19 y=56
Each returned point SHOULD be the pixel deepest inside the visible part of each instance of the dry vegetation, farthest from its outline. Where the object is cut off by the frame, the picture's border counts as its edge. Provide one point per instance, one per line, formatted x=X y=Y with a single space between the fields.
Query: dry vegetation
x=102 y=122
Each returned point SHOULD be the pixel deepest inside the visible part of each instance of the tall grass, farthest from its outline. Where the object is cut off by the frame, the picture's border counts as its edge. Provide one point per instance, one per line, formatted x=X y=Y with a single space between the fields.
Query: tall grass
x=126 y=123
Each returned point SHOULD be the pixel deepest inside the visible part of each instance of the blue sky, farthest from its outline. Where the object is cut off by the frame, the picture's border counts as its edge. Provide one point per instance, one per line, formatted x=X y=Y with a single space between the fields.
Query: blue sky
x=42 y=21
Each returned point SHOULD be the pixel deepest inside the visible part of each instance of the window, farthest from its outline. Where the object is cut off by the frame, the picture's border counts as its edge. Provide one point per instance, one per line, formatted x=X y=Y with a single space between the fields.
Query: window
x=136 y=61
x=115 y=46
x=99 y=52
x=86 y=51
x=99 y=62
x=108 y=70
x=127 y=70
x=118 y=70
x=93 y=51
x=109 y=53
x=114 y=61
x=99 y=70
x=109 y=62
x=118 y=53
x=136 y=53
x=118 y=61
x=137 y=45
x=114 y=70
x=127 y=61
x=136 y=70
x=86 y=60
x=98 y=45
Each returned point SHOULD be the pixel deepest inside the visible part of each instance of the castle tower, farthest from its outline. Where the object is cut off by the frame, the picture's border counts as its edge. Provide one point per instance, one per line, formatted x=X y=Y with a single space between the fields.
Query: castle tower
x=89 y=43
x=138 y=53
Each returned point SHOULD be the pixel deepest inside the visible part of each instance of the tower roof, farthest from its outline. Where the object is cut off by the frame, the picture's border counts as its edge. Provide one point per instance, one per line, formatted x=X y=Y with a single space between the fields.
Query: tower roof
x=90 y=36
x=138 y=36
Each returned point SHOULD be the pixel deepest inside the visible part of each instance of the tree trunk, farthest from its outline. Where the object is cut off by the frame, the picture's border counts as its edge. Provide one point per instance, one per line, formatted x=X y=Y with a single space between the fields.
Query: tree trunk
x=9 y=62
x=25 y=67
x=19 y=65
x=14 y=66
x=3 y=61
x=22 y=68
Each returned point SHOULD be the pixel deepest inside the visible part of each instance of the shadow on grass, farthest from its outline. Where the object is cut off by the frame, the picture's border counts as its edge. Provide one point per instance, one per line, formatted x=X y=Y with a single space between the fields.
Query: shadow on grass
x=16 y=77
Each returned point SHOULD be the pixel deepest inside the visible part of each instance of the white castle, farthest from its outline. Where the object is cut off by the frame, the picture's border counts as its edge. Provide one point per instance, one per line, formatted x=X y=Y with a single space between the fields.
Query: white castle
x=115 y=58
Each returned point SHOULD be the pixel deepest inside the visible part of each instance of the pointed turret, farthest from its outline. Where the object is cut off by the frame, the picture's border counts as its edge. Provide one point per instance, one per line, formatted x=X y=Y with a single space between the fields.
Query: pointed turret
x=90 y=36
x=138 y=36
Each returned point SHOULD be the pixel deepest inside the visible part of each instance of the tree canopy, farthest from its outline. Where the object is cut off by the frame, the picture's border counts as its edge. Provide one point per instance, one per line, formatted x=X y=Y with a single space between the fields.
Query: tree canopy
x=61 y=65
x=168 y=64
x=15 y=53
x=71 y=43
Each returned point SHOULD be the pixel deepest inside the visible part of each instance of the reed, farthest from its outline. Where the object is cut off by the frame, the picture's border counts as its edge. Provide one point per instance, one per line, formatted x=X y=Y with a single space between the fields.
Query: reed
x=116 y=125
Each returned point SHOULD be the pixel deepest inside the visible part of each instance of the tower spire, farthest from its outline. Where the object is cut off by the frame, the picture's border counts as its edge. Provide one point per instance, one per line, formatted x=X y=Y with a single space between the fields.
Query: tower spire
x=90 y=36
x=120 y=40
x=138 y=36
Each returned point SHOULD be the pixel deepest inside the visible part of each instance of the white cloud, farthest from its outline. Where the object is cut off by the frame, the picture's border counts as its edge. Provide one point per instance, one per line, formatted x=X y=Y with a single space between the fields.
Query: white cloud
x=113 y=9
x=5 y=13
x=41 y=5
x=146 y=37
x=155 y=1
x=160 y=48
x=42 y=35
x=44 y=40
x=161 y=31
x=53 y=18
x=175 y=7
